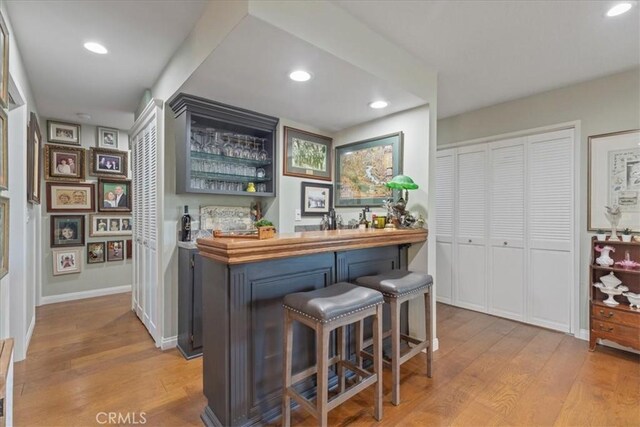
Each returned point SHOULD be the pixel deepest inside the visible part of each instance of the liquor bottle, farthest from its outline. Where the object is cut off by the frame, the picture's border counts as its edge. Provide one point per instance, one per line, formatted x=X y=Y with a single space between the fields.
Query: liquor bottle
x=362 y=224
x=332 y=219
x=186 y=225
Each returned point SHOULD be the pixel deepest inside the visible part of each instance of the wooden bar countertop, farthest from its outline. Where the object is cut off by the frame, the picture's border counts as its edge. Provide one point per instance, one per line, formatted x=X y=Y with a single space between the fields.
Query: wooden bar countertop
x=239 y=250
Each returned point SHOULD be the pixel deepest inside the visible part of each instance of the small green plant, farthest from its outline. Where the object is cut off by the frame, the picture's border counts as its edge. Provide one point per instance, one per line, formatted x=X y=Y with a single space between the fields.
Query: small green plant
x=626 y=231
x=599 y=231
x=263 y=223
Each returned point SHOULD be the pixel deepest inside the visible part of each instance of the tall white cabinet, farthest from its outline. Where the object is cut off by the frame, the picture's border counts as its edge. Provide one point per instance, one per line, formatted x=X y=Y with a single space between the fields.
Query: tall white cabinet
x=505 y=228
x=147 y=171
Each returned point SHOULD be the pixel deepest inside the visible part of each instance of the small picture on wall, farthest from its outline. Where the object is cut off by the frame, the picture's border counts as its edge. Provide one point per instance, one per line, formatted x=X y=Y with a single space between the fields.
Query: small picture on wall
x=67 y=230
x=67 y=261
x=316 y=198
x=129 y=249
x=70 y=197
x=114 y=196
x=63 y=133
x=95 y=252
x=108 y=163
x=63 y=163
x=107 y=138
x=115 y=250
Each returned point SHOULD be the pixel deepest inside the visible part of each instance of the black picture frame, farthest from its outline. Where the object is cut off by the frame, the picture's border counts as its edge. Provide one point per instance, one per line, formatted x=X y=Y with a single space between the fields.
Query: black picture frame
x=106 y=203
x=315 y=199
x=96 y=252
x=67 y=230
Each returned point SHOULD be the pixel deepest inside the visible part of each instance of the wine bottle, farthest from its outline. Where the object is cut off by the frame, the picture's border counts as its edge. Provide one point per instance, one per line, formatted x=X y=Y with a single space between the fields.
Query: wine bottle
x=186 y=225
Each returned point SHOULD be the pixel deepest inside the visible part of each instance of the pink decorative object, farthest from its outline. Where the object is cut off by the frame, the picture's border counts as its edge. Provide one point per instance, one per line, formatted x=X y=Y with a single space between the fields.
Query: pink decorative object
x=605 y=260
x=627 y=264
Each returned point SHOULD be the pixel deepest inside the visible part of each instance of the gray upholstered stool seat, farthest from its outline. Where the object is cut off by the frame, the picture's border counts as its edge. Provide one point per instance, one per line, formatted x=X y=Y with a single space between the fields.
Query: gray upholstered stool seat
x=399 y=286
x=333 y=302
x=396 y=282
x=325 y=310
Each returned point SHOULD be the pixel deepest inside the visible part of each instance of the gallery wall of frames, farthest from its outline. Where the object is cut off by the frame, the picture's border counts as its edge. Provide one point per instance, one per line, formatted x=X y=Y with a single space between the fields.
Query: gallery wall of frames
x=88 y=195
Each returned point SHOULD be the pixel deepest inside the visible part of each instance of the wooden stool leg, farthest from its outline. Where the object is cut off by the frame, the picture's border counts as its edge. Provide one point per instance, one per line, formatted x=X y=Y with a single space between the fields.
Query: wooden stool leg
x=322 y=360
x=377 y=361
x=286 y=371
x=427 y=321
x=395 y=350
x=359 y=340
x=342 y=351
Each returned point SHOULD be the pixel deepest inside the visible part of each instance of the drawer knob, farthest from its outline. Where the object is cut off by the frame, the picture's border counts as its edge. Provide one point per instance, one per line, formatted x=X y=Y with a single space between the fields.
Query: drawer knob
x=505 y=243
x=469 y=240
x=606 y=315
x=609 y=329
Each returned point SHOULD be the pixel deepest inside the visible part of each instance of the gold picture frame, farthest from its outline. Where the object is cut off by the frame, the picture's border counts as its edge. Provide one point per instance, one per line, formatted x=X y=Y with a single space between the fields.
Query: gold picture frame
x=4 y=152
x=34 y=160
x=108 y=163
x=4 y=237
x=4 y=67
x=63 y=163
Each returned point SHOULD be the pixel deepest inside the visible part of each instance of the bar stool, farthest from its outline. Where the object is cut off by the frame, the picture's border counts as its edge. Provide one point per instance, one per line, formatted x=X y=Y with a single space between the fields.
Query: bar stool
x=323 y=310
x=398 y=286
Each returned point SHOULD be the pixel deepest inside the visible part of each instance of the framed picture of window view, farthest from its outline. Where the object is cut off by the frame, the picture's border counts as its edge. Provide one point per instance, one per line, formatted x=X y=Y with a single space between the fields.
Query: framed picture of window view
x=115 y=250
x=364 y=167
x=4 y=152
x=67 y=261
x=63 y=163
x=107 y=138
x=95 y=252
x=316 y=198
x=63 y=133
x=114 y=195
x=110 y=225
x=4 y=67
x=4 y=236
x=108 y=163
x=70 y=197
x=34 y=145
x=306 y=154
x=67 y=230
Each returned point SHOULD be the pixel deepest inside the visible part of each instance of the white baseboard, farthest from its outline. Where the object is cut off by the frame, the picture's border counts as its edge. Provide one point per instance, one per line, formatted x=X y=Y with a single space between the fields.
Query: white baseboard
x=27 y=338
x=436 y=345
x=169 y=342
x=583 y=334
x=72 y=296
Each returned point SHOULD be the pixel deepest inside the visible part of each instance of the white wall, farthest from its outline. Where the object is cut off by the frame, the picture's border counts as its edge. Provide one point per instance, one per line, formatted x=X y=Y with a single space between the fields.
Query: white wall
x=603 y=105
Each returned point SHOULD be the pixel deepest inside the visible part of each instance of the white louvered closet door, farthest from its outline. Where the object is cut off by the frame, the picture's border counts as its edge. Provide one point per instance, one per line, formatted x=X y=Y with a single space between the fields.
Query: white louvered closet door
x=445 y=198
x=506 y=285
x=471 y=207
x=550 y=223
x=137 y=141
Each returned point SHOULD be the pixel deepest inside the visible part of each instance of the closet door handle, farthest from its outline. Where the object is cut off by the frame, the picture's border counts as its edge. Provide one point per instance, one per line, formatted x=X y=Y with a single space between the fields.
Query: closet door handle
x=470 y=241
x=505 y=243
x=606 y=315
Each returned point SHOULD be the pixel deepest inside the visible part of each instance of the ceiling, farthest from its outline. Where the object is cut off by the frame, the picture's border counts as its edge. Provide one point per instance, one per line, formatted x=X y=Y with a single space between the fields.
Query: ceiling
x=66 y=79
x=487 y=52
x=250 y=69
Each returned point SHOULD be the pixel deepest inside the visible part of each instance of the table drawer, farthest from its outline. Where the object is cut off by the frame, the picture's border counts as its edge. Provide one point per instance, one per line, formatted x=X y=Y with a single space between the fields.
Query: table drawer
x=616 y=332
x=600 y=313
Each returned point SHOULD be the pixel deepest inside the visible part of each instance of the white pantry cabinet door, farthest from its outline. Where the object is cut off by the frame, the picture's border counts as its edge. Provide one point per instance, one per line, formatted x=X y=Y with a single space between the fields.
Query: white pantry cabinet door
x=445 y=198
x=507 y=229
x=471 y=219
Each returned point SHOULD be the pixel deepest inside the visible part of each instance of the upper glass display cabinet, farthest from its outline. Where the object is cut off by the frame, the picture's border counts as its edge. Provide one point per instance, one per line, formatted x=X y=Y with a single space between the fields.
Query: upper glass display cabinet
x=222 y=149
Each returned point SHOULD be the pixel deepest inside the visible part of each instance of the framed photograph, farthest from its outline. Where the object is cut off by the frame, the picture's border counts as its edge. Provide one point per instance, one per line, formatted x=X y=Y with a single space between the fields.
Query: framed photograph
x=67 y=261
x=316 y=199
x=34 y=145
x=4 y=152
x=306 y=154
x=108 y=163
x=115 y=250
x=68 y=197
x=67 y=230
x=95 y=252
x=107 y=138
x=614 y=179
x=63 y=133
x=4 y=67
x=129 y=249
x=62 y=163
x=364 y=167
x=114 y=195
x=110 y=225
x=4 y=236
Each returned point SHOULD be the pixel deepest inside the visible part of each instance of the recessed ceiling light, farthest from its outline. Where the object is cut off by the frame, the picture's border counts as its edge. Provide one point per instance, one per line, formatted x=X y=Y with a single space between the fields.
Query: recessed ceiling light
x=378 y=104
x=300 y=76
x=95 y=48
x=619 y=9
x=84 y=116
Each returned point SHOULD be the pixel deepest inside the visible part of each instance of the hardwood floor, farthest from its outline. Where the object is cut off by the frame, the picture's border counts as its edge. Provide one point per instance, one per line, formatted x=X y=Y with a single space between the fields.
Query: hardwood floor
x=93 y=356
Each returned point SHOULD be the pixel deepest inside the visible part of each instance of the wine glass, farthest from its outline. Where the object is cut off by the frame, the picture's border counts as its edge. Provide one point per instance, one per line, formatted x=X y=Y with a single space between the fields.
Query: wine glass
x=237 y=149
x=263 y=154
x=246 y=150
x=227 y=148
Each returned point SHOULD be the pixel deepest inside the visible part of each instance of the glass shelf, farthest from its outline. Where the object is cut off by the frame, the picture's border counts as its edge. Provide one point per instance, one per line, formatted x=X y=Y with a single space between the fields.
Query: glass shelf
x=226 y=159
x=228 y=178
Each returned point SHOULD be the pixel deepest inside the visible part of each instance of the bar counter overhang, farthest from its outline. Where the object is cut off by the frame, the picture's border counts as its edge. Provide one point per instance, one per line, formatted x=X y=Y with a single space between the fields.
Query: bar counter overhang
x=244 y=281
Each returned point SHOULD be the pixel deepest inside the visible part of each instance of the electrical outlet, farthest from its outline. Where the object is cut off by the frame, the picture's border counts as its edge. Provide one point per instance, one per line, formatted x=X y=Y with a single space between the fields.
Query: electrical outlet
x=298 y=215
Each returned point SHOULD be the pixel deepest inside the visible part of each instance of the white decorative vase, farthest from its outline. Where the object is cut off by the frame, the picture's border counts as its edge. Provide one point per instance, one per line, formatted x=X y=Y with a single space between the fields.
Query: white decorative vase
x=626 y=237
x=601 y=237
x=604 y=259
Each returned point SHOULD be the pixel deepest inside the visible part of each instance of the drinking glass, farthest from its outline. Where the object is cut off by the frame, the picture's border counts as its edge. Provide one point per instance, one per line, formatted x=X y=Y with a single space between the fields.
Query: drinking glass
x=246 y=150
x=227 y=147
x=262 y=154
x=237 y=148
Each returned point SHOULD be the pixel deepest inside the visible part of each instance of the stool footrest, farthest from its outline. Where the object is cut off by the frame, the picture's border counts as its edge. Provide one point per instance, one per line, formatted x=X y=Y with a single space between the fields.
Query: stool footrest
x=302 y=401
x=415 y=350
x=351 y=391
x=295 y=378
x=362 y=373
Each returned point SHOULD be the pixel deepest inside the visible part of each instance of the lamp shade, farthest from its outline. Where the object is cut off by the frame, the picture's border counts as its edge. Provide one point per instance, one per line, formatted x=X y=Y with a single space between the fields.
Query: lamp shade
x=402 y=182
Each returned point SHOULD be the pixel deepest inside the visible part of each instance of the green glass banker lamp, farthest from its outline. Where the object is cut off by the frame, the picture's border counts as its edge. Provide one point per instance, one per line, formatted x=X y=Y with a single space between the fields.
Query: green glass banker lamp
x=397 y=211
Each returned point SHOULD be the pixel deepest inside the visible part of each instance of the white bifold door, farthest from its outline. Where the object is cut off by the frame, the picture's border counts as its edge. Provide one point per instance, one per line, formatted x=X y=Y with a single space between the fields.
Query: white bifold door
x=505 y=237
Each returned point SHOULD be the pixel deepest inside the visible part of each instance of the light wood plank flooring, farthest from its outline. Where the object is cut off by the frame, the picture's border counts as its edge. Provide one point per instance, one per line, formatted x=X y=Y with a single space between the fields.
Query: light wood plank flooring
x=94 y=356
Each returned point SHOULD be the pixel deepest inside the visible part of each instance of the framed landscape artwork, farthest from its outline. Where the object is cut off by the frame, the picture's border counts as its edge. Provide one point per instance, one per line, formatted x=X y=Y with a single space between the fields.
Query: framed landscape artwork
x=363 y=168
x=107 y=138
x=4 y=67
x=614 y=179
x=95 y=252
x=63 y=133
x=115 y=250
x=70 y=197
x=4 y=152
x=4 y=236
x=66 y=261
x=316 y=198
x=110 y=225
x=67 y=230
x=63 y=163
x=114 y=195
x=108 y=163
x=34 y=145
x=306 y=154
